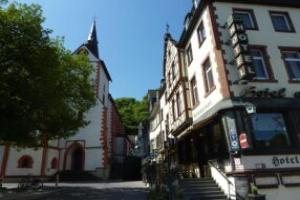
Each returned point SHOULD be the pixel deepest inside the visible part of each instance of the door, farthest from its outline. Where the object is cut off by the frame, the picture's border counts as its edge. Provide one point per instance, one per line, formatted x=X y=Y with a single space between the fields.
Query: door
x=77 y=160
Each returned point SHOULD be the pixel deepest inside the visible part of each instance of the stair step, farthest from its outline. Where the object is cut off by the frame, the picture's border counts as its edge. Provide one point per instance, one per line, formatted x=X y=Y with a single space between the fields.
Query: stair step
x=203 y=197
x=213 y=198
x=199 y=185
x=187 y=190
x=206 y=193
x=203 y=189
x=196 y=180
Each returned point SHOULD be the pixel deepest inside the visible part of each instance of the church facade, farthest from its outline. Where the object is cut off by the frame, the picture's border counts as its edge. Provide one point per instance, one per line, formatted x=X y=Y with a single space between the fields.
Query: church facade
x=90 y=149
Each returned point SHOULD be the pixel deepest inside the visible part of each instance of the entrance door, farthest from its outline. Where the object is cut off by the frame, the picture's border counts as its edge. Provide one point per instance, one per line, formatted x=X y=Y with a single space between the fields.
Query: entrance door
x=203 y=154
x=77 y=160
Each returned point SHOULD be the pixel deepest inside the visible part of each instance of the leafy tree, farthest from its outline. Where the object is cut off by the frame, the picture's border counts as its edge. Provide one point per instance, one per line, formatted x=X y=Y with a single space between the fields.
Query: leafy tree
x=132 y=112
x=44 y=89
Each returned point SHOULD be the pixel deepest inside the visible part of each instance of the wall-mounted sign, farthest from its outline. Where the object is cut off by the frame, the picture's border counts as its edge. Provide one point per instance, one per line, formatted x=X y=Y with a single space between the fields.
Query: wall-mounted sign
x=251 y=92
x=234 y=139
x=244 y=141
x=231 y=132
x=287 y=160
x=240 y=45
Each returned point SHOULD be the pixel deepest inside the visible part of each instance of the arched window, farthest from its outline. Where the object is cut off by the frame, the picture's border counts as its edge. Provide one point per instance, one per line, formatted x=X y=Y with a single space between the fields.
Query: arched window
x=25 y=162
x=54 y=163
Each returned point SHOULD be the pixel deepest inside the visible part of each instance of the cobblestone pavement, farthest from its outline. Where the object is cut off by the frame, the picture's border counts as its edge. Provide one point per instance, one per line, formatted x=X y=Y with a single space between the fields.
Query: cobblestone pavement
x=100 y=191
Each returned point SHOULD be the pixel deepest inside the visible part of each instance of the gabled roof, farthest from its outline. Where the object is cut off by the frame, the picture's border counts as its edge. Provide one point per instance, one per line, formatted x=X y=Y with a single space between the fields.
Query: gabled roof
x=168 y=38
x=83 y=46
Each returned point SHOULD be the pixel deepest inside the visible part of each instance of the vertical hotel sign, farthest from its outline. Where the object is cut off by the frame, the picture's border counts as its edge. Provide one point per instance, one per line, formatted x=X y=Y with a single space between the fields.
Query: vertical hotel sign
x=240 y=45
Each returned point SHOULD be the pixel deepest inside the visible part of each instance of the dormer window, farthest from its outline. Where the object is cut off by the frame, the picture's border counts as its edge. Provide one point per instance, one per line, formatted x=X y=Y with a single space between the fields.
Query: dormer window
x=187 y=20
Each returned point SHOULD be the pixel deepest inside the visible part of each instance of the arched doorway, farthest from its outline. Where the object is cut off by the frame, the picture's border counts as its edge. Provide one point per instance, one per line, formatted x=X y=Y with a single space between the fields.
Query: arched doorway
x=77 y=160
x=74 y=158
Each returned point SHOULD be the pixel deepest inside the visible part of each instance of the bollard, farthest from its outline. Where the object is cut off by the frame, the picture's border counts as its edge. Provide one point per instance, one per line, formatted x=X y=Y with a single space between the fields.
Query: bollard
x=56 y=180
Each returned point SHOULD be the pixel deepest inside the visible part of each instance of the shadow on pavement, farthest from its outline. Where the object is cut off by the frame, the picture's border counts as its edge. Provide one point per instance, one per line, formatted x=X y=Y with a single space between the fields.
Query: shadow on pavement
x=88 y=193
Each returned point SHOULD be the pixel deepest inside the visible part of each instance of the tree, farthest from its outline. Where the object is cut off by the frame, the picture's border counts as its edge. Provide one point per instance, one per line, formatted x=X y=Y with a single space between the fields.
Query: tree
x=44 y=89
x=132 y=112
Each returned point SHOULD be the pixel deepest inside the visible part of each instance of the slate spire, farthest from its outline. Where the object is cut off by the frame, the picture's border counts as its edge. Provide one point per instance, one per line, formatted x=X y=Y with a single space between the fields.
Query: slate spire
x=92 y=43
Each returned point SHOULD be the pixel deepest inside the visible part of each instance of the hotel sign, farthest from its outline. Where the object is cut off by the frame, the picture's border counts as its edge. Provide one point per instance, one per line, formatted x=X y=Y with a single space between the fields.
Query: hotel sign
x=240 y=45
x=280 y=161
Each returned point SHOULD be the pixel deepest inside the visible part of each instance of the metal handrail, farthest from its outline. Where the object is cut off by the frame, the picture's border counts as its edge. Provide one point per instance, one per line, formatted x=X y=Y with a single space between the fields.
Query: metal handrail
x=238 y=196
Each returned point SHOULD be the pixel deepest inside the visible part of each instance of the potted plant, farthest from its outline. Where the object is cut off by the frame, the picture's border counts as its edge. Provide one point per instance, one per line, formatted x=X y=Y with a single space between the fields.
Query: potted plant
x=254 y=194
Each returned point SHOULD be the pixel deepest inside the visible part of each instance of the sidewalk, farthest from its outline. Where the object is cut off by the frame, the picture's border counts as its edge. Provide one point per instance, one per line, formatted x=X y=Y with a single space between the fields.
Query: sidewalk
x=27 y=195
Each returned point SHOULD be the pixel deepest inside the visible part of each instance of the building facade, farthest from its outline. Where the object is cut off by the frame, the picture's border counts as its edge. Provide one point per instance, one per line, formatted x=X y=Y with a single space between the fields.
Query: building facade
x=241 y=60
x=90 y=149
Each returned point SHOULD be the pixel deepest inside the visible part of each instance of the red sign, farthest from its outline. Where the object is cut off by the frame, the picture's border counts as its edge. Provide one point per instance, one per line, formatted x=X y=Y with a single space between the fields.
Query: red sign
x=243 y=141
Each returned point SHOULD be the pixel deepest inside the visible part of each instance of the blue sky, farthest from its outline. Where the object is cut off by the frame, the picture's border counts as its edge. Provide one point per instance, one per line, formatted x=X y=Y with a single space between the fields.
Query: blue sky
x=130 y=34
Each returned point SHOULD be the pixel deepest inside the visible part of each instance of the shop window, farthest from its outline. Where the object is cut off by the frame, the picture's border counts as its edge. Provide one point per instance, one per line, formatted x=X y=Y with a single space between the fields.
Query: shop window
x=25 y=162
x=208 y=76
x=292 y=62
x=201 y=34
x=189 y=54
x=261 y=64
x=194 y=91
x=270 y=130
x=248 y=18
x=54 y=163
x=282 y=22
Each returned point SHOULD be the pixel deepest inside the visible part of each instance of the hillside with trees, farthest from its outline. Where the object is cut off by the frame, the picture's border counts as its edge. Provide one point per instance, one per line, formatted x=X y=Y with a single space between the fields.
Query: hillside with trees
x=132 y=112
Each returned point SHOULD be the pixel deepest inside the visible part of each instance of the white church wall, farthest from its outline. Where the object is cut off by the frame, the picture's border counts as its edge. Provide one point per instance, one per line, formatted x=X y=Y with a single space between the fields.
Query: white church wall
x=91 y=133
x=103 y=86
x=93 y=159
x=109 y=127
x=51 y=154
x=15 y=155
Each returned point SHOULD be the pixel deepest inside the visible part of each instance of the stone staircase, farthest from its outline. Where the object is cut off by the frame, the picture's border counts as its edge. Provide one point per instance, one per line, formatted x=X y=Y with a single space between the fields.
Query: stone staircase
x=201 y=189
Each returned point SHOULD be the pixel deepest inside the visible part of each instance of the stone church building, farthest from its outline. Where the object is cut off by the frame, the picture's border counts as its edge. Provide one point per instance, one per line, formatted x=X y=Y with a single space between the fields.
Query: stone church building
x=90 y=150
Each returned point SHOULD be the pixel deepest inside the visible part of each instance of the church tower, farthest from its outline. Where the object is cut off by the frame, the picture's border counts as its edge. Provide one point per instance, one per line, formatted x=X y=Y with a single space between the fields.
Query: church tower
x=92 y=42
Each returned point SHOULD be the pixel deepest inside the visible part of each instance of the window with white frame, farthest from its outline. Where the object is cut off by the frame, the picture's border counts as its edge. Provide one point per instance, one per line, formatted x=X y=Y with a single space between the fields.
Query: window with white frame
x=259 y=63
x=292 y=61
x=281 y=21
x=248 y=18
x=189 y=54
x=194 y=92
x=201 y=34
x=208 y=76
